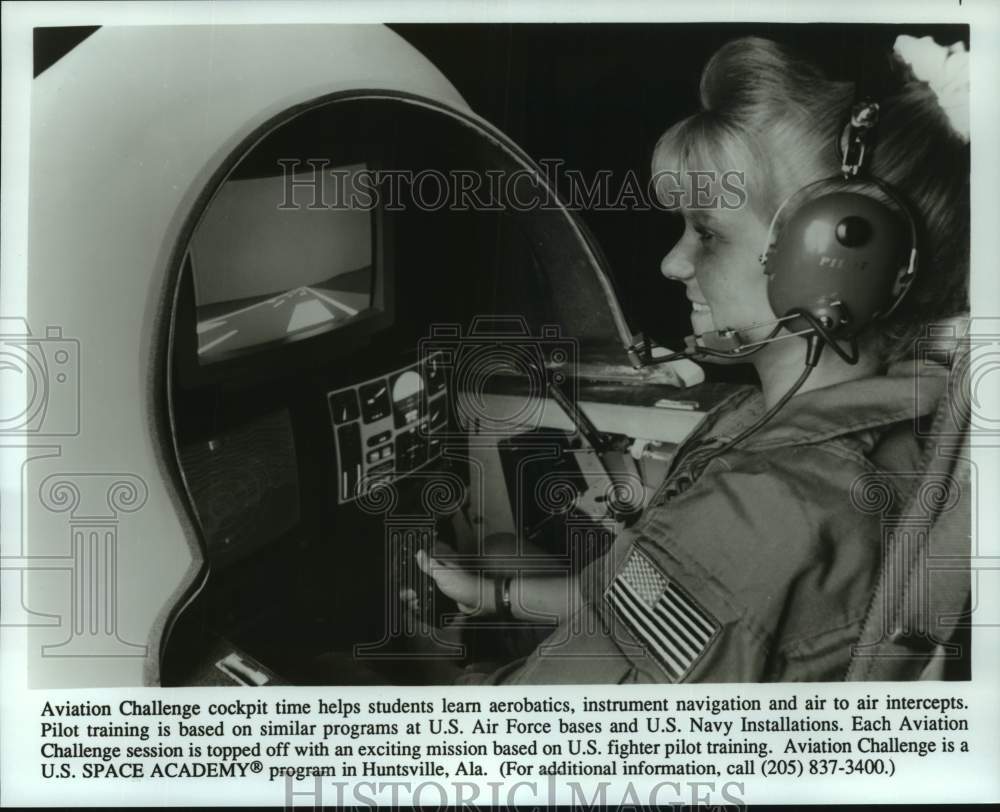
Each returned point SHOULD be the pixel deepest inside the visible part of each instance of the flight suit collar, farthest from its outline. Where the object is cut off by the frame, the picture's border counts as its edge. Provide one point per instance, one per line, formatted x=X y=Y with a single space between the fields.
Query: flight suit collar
x=906 y=393
x=816 y=416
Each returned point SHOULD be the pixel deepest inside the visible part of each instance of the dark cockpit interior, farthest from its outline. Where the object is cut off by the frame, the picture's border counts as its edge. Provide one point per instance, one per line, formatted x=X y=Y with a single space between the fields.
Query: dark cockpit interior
x=383 y=321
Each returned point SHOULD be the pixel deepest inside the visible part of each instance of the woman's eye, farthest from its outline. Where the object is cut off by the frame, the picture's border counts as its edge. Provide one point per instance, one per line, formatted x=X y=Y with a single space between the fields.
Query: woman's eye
x=704 y=235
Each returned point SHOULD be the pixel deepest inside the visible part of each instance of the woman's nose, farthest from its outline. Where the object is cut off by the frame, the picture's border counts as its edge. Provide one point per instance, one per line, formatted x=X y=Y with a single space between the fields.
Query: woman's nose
x=676 y=265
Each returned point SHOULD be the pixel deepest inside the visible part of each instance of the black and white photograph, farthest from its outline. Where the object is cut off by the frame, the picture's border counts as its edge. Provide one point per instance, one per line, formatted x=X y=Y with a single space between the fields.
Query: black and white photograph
x=590 y=355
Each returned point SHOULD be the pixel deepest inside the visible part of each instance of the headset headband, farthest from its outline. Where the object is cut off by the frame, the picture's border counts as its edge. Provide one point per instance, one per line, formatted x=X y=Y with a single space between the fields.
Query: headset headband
x=853 y=138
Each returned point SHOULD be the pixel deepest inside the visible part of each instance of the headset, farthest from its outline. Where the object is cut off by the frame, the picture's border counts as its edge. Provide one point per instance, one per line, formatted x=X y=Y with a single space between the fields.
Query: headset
x=844 y=258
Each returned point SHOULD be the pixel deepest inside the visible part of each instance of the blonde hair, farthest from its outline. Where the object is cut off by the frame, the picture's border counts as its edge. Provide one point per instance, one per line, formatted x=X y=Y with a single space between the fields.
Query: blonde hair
x=777 y=118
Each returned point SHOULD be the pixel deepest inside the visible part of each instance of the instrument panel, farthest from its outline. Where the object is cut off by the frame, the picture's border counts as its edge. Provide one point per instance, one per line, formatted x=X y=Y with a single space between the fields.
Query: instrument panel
x=388 y=426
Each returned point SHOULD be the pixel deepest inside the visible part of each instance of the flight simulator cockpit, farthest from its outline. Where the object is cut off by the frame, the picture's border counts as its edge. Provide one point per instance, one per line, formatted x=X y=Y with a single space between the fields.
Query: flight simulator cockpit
x=389 y=332
x=301 y=324
x=322 y=317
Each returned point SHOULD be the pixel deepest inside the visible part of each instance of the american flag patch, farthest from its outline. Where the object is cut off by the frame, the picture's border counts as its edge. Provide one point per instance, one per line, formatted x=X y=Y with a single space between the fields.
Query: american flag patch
x=663 y=618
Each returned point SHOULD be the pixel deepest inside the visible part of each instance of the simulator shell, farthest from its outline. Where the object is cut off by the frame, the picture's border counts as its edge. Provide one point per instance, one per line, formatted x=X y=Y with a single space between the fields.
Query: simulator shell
x=138 y=135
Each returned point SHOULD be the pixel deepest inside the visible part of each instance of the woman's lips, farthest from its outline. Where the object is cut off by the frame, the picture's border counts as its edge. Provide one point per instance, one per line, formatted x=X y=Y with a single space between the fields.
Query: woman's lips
x=700 y=307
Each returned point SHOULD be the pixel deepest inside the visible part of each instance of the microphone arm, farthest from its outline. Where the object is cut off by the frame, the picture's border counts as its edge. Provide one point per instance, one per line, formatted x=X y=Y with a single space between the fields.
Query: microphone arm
x=746 y=348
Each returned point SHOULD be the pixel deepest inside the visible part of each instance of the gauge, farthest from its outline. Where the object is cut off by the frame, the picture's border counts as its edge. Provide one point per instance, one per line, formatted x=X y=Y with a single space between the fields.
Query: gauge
x=408 y=398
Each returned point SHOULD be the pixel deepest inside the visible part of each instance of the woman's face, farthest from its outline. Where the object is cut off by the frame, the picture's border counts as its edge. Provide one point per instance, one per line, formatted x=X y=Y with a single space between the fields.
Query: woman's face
x=717 y=259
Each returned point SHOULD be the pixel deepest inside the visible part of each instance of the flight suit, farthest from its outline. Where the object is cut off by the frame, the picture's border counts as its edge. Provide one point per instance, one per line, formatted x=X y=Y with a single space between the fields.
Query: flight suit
x=757 y=564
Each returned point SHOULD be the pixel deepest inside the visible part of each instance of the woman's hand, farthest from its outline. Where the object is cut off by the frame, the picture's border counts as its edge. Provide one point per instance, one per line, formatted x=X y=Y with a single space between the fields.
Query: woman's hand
x=550 y=598
x=472 y=593
x=469 y=590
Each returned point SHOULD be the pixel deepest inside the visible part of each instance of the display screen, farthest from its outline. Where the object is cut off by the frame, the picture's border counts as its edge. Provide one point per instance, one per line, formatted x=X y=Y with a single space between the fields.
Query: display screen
x=271 y=265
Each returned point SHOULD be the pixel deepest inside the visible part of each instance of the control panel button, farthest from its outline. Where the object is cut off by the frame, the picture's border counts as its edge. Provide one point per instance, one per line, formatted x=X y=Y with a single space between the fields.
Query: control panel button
x=434 y=375
x=349 y=446
x=434 y=448
x=378 y=439
x=379 y=454
x=437 y=413
x=411 y=449
x=344 y=406
x=382 y=468
x=375 y=402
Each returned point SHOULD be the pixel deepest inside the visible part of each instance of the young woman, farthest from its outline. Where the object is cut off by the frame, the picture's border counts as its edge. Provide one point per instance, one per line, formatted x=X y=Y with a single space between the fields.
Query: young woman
x=757 y=561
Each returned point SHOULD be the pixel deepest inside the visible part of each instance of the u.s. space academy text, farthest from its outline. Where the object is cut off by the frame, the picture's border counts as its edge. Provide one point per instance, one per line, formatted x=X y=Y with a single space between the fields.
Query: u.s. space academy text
x=708 y=737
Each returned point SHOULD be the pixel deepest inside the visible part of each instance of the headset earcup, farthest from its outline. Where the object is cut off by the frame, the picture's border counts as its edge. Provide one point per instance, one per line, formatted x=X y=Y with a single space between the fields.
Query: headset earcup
x=839 y=256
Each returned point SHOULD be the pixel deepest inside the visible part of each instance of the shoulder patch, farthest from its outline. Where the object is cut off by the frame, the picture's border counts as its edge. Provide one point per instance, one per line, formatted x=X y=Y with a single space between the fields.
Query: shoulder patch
x=675 y=630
